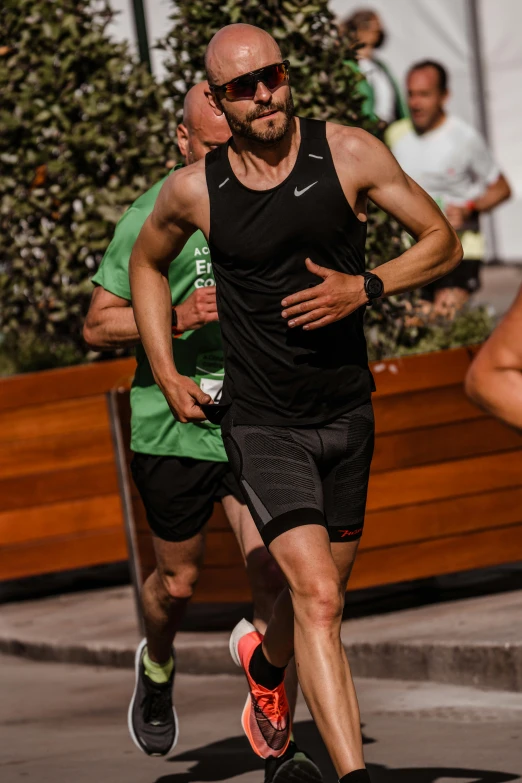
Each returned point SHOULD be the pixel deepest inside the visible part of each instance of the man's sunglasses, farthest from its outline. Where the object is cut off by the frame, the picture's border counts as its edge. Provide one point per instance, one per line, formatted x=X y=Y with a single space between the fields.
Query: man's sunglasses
x=244 y=87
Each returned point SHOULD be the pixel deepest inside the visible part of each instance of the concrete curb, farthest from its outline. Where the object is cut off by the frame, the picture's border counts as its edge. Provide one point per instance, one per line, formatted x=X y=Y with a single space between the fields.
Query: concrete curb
x=480 y=665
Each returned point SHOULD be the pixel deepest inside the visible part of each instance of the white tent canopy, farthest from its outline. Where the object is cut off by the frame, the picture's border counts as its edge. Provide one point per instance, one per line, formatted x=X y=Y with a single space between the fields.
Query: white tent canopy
x=442 y=30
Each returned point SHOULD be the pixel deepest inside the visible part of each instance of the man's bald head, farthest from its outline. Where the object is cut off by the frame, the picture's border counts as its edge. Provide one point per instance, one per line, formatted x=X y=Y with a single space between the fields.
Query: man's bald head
x=238 y=49
x=202 y=129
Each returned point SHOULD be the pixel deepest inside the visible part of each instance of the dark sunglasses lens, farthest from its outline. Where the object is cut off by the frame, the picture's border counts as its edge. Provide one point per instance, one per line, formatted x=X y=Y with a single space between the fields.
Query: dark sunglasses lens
x=273 y=76
x=245 y=87
x=239 y=89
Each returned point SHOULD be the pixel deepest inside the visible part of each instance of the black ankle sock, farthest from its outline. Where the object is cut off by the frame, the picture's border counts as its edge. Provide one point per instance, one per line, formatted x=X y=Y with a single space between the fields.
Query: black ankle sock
x=358 y=776
x=263 y=672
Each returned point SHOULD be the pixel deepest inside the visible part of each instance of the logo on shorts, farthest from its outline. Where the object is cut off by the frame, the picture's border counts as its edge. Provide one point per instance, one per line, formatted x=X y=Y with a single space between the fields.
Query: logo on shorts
x=347 y=533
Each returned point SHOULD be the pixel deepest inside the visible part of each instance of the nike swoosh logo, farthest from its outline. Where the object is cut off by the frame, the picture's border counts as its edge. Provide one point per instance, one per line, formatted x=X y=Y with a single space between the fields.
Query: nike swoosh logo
x=300 y=192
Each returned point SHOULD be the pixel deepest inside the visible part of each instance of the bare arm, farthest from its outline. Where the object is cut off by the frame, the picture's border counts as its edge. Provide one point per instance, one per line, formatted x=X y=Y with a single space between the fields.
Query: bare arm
x=364 y=161
x=110 y=322
x=494 y=380
x=161 y=239
x=494 y=195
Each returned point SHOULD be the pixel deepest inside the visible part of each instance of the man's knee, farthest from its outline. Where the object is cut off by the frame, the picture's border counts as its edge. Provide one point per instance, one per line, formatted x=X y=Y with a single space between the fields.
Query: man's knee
x=178 y=583
x=318 y=601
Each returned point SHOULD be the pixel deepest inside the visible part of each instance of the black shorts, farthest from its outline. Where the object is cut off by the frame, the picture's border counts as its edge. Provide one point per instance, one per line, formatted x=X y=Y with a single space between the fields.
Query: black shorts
x=179 y=493
x=293 y=476
x=465 y=276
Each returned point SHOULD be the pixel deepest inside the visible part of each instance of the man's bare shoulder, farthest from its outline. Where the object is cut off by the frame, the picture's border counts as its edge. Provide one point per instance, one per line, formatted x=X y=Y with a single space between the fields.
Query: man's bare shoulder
x=184 y=189
x=355 y=142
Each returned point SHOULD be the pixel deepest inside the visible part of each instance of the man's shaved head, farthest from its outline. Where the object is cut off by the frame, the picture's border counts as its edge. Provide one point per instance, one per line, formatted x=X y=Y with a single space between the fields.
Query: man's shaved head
x=236 y=50
x=202 y=129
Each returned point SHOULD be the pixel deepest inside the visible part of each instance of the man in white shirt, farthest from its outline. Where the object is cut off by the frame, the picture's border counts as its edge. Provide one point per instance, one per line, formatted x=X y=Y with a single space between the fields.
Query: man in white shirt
x=450 y=160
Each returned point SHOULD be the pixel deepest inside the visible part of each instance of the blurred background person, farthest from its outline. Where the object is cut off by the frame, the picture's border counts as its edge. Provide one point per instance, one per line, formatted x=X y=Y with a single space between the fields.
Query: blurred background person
x=383 y=98
x=494 y=380
x=451 y=161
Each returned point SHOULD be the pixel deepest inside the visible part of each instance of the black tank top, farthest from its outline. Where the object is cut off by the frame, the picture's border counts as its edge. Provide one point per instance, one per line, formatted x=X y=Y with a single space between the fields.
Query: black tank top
x=258 y=243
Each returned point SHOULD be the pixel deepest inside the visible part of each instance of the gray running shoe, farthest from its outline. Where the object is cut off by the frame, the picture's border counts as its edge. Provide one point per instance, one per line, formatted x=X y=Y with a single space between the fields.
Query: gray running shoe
x=153 y=723
x=293 y=766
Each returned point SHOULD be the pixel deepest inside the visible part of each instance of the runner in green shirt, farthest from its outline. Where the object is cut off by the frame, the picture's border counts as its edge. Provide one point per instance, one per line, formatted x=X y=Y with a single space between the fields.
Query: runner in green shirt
x=179 y=469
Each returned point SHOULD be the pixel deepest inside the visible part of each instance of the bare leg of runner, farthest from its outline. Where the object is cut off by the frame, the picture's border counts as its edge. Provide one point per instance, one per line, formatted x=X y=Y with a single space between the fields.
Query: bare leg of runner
x=307 y=620
x=266 y=580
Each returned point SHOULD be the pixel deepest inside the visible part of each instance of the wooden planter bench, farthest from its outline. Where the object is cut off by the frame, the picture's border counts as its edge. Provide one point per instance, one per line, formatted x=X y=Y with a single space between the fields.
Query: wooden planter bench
x=445 y=492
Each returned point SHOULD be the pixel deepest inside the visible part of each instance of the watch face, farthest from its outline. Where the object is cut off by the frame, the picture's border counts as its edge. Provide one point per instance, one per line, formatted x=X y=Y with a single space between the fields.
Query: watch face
x=374 y=286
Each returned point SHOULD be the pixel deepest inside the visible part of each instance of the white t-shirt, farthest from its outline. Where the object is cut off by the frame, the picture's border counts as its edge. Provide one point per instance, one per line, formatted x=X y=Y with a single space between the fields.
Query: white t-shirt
x=384 y=94
x=452 y=163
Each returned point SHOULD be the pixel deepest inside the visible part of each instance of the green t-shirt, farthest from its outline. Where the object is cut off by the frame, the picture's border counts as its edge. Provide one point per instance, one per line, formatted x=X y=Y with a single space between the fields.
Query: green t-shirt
x=197 y=353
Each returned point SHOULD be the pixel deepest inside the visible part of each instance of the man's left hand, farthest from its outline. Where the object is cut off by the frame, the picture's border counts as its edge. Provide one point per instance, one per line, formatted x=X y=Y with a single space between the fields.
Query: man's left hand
x=336 y=297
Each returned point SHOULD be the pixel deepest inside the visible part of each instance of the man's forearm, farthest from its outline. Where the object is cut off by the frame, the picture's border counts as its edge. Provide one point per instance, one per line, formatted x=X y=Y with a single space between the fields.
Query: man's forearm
x=433 y=256
x=498 y=391
x=111 y=328
x=152 y=304
x=495 y=194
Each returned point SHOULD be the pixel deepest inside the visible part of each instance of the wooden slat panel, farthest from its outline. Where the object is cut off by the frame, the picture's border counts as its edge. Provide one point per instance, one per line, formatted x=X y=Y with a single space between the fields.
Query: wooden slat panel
x=445 y=442
x=20 y=391
x=445 y=480
x=423 y=409
x=440 y=556
x=58 y=418
x=63 y=554
x=423 y=371
x=442 y=518
x=67 y=484
x=59 y=519
x=55 y=452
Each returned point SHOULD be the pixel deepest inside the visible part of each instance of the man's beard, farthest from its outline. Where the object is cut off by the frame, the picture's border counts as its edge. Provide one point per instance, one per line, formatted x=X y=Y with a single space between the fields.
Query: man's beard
x=270 y=133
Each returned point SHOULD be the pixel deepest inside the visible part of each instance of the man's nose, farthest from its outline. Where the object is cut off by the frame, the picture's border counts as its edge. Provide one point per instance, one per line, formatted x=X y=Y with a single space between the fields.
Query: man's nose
x=263 y=94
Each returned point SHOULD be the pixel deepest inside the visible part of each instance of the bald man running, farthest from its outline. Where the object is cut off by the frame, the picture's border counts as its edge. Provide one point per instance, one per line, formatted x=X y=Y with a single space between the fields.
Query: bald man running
x=180 y=470
x=283 y=206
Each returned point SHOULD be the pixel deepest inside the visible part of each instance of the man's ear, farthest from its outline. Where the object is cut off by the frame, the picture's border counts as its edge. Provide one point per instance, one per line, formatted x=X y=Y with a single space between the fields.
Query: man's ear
x=182 y=136
x=214 y=102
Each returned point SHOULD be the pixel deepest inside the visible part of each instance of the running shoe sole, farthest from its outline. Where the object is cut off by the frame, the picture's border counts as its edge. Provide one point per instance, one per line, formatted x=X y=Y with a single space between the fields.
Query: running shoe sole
x=137 y=662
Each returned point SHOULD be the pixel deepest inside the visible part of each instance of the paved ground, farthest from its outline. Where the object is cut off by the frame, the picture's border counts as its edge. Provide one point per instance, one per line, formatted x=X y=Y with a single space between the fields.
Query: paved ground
x=64 y=723
x=475 y=641
x=499 y=286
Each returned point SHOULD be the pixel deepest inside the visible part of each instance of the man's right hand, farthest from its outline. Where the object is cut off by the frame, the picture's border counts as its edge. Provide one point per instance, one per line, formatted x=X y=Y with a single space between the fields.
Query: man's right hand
x=198 y=309
x=184 y=398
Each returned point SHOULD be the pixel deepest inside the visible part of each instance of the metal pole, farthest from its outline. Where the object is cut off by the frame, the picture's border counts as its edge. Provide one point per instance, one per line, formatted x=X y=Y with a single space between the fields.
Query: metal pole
x=140 y=25
x=482 y=105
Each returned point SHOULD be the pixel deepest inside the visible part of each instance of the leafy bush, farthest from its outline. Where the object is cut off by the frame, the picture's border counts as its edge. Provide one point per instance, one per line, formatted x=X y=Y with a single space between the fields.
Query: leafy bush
x=84 y=132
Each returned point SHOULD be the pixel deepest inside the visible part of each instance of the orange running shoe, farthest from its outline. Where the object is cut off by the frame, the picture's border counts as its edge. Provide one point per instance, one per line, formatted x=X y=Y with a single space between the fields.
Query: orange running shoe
x=266 y=717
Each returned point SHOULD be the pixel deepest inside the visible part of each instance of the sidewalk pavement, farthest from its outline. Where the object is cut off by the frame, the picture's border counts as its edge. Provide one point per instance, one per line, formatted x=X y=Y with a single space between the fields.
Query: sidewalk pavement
x=476 y=641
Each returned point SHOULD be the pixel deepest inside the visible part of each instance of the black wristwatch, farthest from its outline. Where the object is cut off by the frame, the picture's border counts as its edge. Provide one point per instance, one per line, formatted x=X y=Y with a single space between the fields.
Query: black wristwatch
x=373 y=286
x=175 y=331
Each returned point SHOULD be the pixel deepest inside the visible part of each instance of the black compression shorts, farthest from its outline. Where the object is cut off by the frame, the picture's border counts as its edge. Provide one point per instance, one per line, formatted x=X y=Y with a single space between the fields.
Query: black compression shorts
x=179 y=493
x=293 y=476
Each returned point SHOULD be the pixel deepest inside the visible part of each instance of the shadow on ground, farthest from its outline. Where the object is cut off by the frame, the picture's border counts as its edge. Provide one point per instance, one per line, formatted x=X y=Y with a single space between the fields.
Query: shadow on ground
x=229 y=758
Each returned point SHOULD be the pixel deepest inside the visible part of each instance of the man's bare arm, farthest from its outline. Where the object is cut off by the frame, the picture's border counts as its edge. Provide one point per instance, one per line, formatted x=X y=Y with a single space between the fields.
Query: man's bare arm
x=437 y=250
x=494 y=380
x=161 y=239
x=110 y=322
x=364 y=161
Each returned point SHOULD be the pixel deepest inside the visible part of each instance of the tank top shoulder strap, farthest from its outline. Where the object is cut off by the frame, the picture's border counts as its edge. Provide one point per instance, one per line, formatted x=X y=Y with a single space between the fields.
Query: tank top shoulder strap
x=217 y=168
x=312 y=129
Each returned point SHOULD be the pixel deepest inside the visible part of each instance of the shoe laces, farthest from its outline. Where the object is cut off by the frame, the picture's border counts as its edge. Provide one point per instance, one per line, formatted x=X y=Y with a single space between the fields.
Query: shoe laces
x=272 y=704
x=156 y=706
